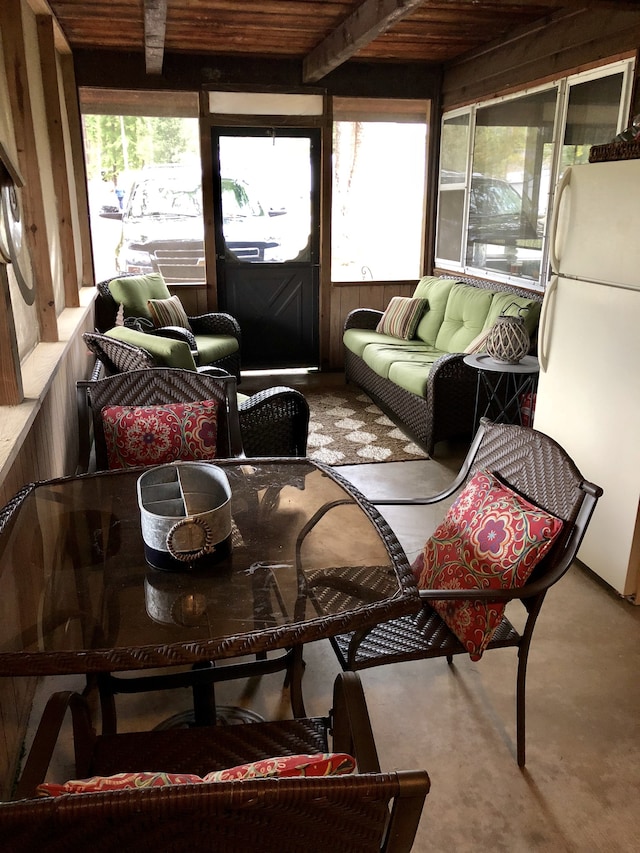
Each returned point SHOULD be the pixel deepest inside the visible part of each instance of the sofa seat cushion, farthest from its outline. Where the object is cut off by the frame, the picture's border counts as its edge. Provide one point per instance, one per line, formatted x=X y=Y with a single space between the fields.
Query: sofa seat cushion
x=136 y=290
x=514 y=306
x=165 y=351
x=413 y=375
x=464 y=317
x=380 y=357
x=213 y=347
x=356 y=340
x=436 y=291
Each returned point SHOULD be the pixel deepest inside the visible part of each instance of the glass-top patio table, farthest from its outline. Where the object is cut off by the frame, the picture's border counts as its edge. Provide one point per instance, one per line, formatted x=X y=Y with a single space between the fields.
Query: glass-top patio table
x=77 y=595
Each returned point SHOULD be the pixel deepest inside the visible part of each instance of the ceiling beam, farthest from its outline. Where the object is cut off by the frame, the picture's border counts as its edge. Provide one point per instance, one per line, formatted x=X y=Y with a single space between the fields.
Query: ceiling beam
x=155 y=25
x=369 y=21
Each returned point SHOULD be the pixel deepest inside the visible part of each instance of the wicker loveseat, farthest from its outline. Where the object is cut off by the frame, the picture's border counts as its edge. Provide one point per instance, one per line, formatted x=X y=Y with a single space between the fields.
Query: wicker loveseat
x=423 y=383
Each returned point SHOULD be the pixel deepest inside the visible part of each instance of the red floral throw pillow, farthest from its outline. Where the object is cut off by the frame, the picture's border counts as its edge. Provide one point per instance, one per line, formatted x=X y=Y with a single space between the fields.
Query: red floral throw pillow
x=322 y=764
x=155 y=435
x=491 y=538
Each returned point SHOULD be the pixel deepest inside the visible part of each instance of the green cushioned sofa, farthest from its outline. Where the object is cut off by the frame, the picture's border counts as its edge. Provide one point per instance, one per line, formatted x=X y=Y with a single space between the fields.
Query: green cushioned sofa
x=423 y=383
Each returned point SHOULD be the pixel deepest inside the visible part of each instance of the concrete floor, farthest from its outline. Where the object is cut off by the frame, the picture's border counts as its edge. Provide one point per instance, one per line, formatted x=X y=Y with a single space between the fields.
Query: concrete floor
x=580 y=788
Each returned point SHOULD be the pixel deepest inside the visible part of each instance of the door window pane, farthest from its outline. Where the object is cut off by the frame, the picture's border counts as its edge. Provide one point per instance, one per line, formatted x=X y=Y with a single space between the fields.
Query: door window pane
x=266 y=197
x=377 y=200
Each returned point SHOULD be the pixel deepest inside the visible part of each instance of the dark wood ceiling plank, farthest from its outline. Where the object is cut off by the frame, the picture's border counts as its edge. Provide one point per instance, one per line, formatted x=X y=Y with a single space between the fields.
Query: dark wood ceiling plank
x=368 y=22
x=155 y=28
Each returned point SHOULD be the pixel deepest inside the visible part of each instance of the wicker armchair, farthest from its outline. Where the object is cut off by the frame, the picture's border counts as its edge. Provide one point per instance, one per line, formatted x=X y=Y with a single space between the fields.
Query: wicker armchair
x=152 y=388
x=273 y=422
x=536 y=467
x=360 y=813
x=203 y=327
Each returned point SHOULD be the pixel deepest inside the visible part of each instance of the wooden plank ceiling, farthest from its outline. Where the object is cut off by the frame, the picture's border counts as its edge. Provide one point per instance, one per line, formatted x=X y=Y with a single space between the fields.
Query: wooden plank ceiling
x=321 y=34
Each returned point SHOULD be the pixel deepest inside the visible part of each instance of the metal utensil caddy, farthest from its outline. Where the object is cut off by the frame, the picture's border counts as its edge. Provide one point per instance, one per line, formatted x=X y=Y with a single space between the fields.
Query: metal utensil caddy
x=185 y=515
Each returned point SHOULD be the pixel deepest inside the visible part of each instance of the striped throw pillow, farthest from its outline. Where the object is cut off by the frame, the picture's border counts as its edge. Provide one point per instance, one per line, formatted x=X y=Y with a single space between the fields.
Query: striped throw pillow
x=168 y=312
x=402 y=316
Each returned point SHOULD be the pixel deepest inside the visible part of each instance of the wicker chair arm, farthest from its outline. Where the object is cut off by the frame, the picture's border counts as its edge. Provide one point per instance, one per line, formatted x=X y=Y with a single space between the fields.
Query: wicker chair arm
x=117 y=356
x=363 y=318
x=177 y=333
x=215 y=324
x=351 y=725
x=48 y=731
x=275 y=422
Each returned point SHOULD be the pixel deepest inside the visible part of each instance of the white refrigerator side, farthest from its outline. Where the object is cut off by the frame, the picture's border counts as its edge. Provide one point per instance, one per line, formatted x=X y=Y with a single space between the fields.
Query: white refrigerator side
x=588 y=400
x=595 y=224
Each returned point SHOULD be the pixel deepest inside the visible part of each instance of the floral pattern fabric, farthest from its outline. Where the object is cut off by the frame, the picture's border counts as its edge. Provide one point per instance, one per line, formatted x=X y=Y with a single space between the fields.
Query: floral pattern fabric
x=155 y=435
x=491 y=538
x=322 y=764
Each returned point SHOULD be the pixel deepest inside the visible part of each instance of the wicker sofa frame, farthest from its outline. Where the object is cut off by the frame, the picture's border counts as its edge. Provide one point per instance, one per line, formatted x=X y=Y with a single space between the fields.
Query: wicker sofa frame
x=448 y=407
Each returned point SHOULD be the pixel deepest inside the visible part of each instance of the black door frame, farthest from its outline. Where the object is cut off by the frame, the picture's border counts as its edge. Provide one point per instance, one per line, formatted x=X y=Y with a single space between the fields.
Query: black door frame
x=305 y=273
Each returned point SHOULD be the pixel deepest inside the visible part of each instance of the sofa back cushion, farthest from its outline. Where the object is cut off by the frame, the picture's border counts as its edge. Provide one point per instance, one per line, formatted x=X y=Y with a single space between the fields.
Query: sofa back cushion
x=464 y=317
x=514 y=306
x=436 y=291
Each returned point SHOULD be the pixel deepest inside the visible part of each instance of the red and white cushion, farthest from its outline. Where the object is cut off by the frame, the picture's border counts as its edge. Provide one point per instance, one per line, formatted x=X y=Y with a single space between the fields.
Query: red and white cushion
x=321 y=764
x=155 y=435
x=491 y=538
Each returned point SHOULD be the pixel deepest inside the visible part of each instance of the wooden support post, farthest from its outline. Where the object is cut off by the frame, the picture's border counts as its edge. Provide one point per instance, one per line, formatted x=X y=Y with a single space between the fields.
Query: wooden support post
x=35 y=224
x=10 y=380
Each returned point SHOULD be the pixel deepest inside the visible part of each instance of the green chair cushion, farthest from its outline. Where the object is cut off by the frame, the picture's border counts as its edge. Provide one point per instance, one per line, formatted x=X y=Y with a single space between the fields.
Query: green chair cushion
x=464 y=317
x=212 y=347
x=165 y=351
x=134 y=292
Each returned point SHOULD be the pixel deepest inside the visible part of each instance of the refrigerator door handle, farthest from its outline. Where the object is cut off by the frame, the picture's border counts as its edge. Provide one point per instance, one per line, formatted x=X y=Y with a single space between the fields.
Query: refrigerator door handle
x=544 y=324
x=557 y=235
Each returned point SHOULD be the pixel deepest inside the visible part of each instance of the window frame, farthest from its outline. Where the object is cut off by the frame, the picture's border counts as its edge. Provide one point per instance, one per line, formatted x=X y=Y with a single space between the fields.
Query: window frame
x=384 y=110
x=563 y=84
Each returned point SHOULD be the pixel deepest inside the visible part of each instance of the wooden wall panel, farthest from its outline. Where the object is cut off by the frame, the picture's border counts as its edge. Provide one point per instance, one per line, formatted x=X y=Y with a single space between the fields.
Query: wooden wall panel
x=49 y=450
x=348 y=297
x=571 y=40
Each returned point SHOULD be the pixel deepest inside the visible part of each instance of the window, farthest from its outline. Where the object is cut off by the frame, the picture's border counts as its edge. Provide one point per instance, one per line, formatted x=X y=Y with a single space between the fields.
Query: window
x=499 y=163
x=378 y=193
x=144 y=183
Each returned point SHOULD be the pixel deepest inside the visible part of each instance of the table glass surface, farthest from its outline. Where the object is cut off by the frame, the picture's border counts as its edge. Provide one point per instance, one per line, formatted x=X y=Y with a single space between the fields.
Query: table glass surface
x=310 y=559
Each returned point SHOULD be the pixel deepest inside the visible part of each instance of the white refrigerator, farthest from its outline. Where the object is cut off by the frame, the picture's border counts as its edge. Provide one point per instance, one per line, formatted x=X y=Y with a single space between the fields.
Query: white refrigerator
x=589 y=350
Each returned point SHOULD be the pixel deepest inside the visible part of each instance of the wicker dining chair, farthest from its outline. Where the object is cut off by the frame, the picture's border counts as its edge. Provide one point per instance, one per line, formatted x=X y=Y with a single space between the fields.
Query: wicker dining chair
x=155 y=387
x=357 y=813
x=537 y=468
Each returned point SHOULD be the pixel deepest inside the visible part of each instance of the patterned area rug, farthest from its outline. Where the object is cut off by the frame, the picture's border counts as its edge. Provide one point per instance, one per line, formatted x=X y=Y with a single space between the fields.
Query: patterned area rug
x=346 y=428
